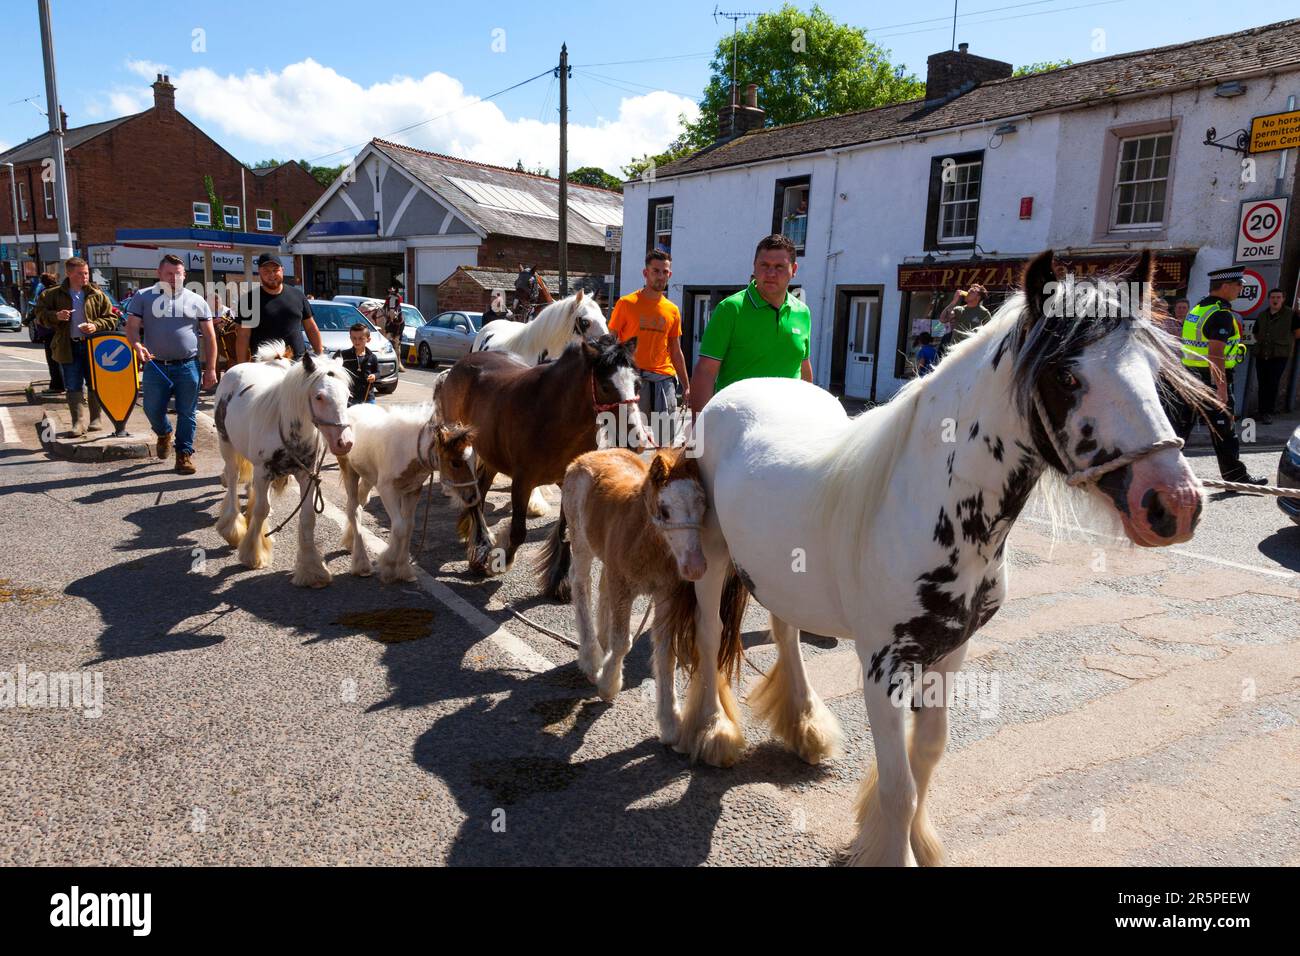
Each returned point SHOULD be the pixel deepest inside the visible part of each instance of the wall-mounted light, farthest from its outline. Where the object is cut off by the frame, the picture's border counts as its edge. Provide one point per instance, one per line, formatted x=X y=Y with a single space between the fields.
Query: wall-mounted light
x=1004 y=129
x=1230 y=89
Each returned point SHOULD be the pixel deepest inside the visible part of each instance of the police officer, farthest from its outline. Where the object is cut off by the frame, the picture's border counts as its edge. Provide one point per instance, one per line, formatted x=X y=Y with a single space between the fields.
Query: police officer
x=1212 y=348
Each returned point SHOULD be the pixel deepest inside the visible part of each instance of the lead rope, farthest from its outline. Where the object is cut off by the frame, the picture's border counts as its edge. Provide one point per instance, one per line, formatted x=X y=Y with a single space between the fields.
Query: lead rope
x=1088 y=475
x=313 y=484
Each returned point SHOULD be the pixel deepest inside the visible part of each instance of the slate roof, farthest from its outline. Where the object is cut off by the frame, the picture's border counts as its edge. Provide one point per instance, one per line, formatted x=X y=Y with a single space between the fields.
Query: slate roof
x=1214 y=59
x=436 y=171
x=39 y=147
x=491 y=279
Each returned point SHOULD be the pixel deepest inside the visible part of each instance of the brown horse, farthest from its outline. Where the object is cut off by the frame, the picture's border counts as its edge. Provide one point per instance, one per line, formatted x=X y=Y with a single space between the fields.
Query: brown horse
x=529 y=422
x=643 y=522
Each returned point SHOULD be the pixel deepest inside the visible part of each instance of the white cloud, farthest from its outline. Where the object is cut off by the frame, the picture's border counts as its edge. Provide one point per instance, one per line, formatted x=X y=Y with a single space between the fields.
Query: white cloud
x=308 y=109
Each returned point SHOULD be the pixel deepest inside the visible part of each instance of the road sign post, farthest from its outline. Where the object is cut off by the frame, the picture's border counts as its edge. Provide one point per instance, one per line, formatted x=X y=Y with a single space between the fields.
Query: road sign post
x=113 y=377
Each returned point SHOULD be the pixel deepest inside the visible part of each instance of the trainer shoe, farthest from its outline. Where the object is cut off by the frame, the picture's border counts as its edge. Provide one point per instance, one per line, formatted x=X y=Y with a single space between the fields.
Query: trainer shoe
x=184 y=463
x=164 y=444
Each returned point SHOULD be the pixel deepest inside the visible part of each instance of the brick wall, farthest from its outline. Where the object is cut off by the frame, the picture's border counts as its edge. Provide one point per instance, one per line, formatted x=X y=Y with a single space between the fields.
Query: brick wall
x=509 y=252
x=459 y=291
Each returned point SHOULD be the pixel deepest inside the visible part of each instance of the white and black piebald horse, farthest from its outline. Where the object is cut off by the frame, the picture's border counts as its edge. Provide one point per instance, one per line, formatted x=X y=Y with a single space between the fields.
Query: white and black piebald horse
x=890 y=529
x=270 y=415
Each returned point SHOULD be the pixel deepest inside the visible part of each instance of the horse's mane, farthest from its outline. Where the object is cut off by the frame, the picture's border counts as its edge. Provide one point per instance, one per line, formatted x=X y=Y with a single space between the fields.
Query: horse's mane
x=297 y=385
x=550 y=330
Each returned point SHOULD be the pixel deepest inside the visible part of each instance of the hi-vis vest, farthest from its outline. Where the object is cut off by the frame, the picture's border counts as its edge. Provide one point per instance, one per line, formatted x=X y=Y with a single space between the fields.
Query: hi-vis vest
x=1196 y=347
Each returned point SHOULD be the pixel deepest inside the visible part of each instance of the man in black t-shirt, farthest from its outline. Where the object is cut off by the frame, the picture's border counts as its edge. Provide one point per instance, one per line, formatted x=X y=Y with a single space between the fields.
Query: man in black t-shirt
x=283 y=312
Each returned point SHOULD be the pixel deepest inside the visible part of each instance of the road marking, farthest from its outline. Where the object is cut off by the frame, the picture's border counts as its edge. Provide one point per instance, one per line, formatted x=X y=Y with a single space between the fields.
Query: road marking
x=8 y=431
x=502 y=639
x=1254 y=568
x=9 y=353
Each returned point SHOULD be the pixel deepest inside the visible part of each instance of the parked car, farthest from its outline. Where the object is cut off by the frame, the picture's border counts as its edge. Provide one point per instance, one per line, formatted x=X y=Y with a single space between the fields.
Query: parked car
x=1288 y=476
x=11 y=319
x=412 y=319
x=335 y=318
x=446 y=337
x=363 y=302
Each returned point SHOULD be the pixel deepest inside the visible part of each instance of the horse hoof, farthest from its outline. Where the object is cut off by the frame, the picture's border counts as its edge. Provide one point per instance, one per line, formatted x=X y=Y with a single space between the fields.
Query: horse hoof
x=312 y=578
x=609 y=685
x=719 y=743
x=669 y=731
x=362 y=570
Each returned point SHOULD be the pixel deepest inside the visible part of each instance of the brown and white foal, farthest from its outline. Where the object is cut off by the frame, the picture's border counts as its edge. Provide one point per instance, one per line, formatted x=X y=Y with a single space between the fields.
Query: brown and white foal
x=643 y=522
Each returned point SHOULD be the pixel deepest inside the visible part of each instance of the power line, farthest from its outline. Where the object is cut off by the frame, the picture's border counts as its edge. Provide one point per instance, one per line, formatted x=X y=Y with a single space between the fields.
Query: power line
x=1021 y=16
x=653 y=59
x=625 y=85
x=433 y=119
x=948 y=19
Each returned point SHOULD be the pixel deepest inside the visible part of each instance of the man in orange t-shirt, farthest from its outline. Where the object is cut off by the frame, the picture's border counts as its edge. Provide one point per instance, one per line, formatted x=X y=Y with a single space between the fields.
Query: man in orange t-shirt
x=656 y=324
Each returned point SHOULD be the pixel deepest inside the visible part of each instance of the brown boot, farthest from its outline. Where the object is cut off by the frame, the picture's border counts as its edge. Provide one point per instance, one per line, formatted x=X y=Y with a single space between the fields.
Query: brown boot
x=164 y=444
x=77 y=409
x=95 y=408
x=184 y=463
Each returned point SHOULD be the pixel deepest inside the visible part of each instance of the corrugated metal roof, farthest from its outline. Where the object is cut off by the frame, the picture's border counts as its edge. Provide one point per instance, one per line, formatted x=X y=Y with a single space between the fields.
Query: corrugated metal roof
x=1275 y=46
x=39 y=147
x=440 y=173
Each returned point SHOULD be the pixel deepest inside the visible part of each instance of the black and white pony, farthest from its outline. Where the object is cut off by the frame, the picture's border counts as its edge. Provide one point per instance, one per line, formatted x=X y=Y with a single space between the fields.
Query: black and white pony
x=890 y=529
x=270 y=414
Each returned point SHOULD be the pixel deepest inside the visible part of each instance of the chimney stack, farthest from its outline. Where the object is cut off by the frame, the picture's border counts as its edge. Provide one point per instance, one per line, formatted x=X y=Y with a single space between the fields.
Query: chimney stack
x=737 y=118
x=164 y=94
x=63 y=118
x=949 y=71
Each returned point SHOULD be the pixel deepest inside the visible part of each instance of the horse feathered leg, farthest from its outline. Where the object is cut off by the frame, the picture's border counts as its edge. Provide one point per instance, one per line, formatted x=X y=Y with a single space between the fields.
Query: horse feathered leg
x=538 y=506
x=352 y=537
x=395 y=562
x=257 y=550
x=666 y=710
x=309 y=569
x=591 y=655
x=929 y=738
x=618 y=640
x=231 y=524
x=787 y=702
x=887 y=800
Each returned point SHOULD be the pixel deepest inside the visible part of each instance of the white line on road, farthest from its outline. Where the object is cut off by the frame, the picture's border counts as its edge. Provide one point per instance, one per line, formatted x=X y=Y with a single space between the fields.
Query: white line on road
x=15 y=354
x=8 y=431
x=1254 y=568
x=501 y=638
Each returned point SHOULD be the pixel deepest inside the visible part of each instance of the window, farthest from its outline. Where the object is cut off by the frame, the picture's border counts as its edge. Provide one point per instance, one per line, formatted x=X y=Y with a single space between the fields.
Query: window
x=49 y=200
x=202 y=214
x=352 y=281
x=952 y=214
x=659 y=225
x=1141 y=182
x=790 y=210
x=22 y=201
x=264 y=220
x=230 y=216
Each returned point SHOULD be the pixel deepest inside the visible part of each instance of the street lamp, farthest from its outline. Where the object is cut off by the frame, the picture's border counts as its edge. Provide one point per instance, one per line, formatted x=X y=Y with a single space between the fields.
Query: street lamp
x=18 y=241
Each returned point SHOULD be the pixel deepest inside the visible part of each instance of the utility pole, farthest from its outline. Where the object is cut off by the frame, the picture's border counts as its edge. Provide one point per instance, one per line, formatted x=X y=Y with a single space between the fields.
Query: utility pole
x=56 y=134
x=563 y=73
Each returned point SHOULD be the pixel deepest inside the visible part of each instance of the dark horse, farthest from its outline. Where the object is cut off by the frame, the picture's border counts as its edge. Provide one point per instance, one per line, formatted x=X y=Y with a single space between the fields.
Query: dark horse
x=530 y=422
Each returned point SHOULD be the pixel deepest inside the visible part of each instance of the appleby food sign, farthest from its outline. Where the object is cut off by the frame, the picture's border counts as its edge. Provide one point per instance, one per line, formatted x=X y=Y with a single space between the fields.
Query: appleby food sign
x=1259 y=230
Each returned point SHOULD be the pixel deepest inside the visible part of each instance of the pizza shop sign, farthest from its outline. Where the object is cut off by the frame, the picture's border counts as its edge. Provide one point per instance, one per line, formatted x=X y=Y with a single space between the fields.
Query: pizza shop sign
x=1005 y=274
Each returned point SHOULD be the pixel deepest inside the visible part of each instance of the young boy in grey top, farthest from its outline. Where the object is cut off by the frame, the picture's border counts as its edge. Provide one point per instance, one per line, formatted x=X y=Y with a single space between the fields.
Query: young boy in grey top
x=166 y=323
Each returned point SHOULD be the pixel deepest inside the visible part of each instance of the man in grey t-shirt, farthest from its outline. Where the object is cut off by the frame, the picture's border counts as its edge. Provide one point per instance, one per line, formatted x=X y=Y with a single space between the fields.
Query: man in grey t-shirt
x=171 y=327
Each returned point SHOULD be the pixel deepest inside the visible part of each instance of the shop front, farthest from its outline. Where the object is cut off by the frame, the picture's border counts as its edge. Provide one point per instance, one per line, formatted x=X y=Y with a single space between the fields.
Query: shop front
x=123 y=268
x=926 y=288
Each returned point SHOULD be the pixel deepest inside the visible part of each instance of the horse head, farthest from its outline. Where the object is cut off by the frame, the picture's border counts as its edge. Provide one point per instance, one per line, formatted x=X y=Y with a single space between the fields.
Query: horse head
x=585 y=318
x=674 y=498
x=1090 y=365
x=457 y=465
x=615 y=384
x=326 y=383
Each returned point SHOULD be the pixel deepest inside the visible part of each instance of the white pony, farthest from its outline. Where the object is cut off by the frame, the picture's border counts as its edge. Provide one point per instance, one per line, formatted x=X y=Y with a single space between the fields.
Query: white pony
x=890 y=529
x=549 y=333
x=395 y=450
x=269 y=416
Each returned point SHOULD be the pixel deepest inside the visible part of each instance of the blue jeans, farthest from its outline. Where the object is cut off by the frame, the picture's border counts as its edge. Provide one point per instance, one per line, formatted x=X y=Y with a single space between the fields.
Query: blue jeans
x=76 y=374
x=184 y=384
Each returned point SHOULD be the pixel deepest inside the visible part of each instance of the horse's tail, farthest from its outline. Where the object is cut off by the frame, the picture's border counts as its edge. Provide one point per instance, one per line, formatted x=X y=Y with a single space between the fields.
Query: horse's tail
x=553 y=562
x=272 y=350
x=680 y=623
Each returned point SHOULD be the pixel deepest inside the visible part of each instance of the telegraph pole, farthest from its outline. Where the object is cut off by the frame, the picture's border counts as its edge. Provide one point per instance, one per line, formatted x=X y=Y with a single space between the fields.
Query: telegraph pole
x=55 y=114
x=563 y=73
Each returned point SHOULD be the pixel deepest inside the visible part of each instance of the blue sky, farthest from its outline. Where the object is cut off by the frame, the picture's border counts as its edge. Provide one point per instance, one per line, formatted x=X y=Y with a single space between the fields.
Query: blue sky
x=312 y=80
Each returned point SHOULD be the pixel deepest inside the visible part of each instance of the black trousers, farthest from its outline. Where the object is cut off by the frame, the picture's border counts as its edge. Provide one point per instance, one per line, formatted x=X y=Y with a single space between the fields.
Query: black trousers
x=1226 y=447
x=1270 y=377
x=56 y=371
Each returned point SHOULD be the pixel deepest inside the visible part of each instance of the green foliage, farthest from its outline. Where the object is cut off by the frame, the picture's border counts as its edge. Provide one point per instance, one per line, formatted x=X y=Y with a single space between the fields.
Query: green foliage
x=595 y=176
x=537 y=171
x=325 y=175
x=806 y=65
x=1042 y=67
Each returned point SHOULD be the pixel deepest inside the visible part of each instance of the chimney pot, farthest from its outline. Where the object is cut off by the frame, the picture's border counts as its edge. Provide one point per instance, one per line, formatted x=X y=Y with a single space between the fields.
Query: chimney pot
x=963 y=47
x=751 y=95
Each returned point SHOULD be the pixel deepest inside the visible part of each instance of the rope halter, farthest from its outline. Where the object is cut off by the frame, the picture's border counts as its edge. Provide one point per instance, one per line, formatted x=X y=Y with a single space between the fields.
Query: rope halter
x=1086 y=476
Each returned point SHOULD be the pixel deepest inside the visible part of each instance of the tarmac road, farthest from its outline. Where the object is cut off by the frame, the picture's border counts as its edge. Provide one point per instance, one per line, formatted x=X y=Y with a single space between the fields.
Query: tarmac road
x=1135 y=707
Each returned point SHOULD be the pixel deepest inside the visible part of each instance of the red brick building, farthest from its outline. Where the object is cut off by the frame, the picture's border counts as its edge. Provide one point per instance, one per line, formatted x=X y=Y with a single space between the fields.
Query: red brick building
x=150 y=170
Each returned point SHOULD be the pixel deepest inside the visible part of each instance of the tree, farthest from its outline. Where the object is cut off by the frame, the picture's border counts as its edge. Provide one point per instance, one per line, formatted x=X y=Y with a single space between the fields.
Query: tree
x=536 y=171
x=595 y=176
x=1043 y=67
x=325 y=175
x=806 y=65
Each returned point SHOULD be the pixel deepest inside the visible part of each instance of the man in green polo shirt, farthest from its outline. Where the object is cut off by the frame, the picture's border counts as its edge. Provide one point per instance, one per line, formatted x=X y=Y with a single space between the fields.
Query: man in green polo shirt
x=760 y=332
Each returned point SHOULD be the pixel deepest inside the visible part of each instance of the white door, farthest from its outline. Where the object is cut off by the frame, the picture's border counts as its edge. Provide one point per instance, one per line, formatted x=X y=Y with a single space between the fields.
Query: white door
x=703 y=309
x=864 y=318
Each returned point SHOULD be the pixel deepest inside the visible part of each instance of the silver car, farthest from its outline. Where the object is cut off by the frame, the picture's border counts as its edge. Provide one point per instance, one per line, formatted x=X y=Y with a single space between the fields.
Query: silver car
x=334 y=319
x=446 y=337
x=10 y=319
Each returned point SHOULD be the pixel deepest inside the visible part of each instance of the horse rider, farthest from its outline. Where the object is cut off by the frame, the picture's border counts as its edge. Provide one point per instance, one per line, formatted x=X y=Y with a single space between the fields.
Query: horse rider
x=393 y=321
x=654 y=321
x=1212 y=348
